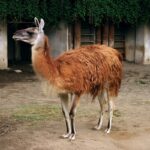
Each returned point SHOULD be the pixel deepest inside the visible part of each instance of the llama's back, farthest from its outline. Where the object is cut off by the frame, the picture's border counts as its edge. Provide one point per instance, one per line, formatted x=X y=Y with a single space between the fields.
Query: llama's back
x=89 y=69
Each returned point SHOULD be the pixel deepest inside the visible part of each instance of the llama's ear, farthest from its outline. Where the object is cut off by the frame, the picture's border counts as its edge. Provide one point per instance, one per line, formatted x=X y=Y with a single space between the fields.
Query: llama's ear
x=41 y=25
x=36 y=21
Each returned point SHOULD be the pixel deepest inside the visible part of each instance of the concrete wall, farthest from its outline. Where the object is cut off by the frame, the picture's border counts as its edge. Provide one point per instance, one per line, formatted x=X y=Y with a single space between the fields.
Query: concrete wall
x=146 y=59
x=137 y=44
x=3 y=45
x=58 y=39
x=139 y=53
x=130 y=45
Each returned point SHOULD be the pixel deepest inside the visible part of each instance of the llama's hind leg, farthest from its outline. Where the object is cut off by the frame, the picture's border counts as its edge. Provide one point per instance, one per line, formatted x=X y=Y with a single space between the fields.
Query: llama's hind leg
x=72 y=116
x=64 y=104
x=102 y=100
x=110 y=111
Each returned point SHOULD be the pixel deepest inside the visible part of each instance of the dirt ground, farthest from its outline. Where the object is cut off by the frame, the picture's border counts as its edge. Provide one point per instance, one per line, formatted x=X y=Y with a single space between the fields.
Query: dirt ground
x=29 y=120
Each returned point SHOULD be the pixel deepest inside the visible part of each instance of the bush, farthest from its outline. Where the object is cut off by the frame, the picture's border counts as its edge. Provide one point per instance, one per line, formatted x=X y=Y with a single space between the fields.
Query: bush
x=128 y=11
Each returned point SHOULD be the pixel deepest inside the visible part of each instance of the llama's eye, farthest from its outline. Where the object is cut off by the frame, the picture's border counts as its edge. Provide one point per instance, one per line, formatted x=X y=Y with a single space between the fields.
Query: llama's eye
x=30 y=33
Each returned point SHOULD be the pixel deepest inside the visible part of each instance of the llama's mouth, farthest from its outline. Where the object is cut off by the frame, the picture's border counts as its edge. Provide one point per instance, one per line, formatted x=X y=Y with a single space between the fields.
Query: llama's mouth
x=15 y=37
x=18 y=38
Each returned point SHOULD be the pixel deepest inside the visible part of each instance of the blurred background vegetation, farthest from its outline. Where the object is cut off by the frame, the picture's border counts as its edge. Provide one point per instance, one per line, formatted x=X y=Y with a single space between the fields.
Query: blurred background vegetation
x=97 y=11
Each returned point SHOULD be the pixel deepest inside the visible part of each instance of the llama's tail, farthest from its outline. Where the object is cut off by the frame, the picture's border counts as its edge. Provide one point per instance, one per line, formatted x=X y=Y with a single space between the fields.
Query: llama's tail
x=120 y=57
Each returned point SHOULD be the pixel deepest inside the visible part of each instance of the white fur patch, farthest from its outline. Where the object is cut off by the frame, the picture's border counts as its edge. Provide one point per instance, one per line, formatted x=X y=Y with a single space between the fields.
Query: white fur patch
x=49 y=90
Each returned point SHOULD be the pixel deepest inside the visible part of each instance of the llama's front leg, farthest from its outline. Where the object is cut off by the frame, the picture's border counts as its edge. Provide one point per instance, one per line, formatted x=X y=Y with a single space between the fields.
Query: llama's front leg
x=100 y=121
x=64 y=104
x=72 y=116
x=102 y=98
x=110 y=111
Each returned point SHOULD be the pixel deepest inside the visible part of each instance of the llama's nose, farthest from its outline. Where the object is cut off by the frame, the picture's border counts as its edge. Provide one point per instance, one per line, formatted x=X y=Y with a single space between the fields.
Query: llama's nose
x=20 y=33
x=17 y=32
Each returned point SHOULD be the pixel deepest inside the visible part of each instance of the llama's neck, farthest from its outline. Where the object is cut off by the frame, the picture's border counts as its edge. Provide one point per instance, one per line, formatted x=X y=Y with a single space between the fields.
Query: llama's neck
x=43 y=64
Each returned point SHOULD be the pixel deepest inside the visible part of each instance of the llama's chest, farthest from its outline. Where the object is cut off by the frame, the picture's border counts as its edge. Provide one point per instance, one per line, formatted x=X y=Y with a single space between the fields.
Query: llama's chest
x=50 y=89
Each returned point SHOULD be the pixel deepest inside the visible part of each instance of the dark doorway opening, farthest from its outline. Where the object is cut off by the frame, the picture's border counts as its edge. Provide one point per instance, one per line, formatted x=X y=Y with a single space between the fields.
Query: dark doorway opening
x=119 y=38
x=18 y=52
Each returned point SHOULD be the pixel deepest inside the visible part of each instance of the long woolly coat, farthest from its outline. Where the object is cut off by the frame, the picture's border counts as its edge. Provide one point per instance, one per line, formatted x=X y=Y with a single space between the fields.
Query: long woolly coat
x=88 y=69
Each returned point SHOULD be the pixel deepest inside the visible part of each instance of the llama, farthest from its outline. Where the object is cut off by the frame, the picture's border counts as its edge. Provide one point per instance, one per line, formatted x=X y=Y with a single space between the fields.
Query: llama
x=93 y=69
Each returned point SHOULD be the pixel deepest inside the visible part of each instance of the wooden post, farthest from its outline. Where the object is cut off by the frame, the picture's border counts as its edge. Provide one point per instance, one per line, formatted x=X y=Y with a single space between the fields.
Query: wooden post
x=17 y=53
x=77 y=34
x=98 y=35
x=70 y=37
x=105 y=33
x=3 y=45
x=111 y=35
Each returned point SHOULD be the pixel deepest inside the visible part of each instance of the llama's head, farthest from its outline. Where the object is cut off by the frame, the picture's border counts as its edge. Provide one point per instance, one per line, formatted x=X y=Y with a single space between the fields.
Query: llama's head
x=32 y=35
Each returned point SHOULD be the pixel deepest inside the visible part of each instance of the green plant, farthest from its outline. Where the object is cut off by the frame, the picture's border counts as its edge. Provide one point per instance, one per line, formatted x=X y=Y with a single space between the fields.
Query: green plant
x=128 y=11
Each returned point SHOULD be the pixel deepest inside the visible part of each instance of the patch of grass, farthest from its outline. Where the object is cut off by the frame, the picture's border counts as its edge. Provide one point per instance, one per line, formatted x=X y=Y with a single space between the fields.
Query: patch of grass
x=34 y=112
x=147 y=102
x=87 y=111
x=117 y=113
x=142 y=81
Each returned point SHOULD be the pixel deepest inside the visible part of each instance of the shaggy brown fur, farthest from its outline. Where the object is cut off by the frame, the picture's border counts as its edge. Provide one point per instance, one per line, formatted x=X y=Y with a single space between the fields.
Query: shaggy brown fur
x=94 y=69
x=88 y=69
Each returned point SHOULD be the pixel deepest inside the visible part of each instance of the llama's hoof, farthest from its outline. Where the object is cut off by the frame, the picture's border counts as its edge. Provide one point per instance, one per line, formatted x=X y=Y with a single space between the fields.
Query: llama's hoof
x=107 y=130
x=67 y=135
x=97 y=128
x=72 y=137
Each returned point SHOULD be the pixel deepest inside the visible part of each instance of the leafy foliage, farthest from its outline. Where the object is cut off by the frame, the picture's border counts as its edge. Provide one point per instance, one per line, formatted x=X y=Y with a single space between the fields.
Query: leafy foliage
x=144 y=10
x=129 y=11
